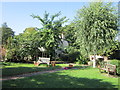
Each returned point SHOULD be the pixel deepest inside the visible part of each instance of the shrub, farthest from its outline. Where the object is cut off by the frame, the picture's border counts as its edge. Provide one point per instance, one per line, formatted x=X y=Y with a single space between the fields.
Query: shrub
x=83 y=59
x=71 y=57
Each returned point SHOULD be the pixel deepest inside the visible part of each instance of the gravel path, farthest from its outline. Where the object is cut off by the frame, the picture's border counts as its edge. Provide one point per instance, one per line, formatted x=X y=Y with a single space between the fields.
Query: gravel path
x=29 y=74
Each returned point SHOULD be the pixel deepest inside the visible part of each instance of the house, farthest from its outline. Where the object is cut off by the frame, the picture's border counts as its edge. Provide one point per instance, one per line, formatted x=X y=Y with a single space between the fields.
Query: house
x=63 y=45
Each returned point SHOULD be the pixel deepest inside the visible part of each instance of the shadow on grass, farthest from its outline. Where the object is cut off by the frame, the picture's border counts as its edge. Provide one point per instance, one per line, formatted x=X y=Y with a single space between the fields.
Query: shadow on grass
x=6 y=64
x=56 y=80
x=23 y=70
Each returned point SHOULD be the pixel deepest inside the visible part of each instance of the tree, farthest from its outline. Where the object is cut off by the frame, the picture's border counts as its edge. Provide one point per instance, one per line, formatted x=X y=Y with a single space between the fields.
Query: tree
x=70 y=52
x=96 y=27
x=22 y=46
x=69 y=34
x=6 y=33
x=11 y=49
x=51 y=31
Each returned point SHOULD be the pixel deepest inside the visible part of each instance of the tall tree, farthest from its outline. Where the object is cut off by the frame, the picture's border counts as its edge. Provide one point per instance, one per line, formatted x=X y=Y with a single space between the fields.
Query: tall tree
x=69 y=34
x=96 y=28
x=23 y=45
x=6 y=33
x=51 y=31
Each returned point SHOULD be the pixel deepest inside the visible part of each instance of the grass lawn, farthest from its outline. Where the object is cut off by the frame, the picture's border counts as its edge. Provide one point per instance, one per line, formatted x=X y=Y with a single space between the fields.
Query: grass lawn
x=12 y=69
x=77 y=78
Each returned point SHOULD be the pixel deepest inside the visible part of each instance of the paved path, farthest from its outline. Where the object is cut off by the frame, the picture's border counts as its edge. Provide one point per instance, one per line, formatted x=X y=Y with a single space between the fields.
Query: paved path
x=29 y=74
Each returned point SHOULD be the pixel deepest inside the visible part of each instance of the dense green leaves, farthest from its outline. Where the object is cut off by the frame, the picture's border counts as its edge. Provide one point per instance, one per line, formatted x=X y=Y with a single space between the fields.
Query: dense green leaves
x=21 y=45
x=93 y=31
x=6 y=33
x=27 y=44
x=51 y=31
x=96 y=27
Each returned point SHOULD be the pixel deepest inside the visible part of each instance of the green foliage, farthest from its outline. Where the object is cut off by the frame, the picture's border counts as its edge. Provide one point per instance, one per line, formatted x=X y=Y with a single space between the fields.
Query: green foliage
x=51 y=31
x=25 y=46
x=93 y=31
x=28 y=43
x=70 y=54
x=72 y=50
x=69 y=33
x=96 y=27
x=117 y=63
x=6 y=33
x=83 y=60
x=22 y=46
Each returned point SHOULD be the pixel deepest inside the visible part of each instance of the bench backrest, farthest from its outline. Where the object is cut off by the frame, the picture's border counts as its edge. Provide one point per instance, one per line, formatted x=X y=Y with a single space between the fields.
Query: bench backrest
x=44 y=60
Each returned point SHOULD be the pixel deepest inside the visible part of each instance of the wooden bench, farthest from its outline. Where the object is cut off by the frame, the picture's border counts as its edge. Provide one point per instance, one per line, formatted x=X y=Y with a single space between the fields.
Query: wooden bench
x=111 y=69
x=108 y=68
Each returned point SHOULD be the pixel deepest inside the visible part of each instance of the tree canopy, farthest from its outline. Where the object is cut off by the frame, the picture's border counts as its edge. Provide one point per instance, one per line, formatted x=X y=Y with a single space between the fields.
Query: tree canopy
x=96 y=27
x=6 y=33
x=92 y=31
x=51 y=31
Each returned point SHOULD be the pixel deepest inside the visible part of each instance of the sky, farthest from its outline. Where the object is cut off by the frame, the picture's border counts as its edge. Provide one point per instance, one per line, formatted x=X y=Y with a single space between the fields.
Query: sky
x=17 y=14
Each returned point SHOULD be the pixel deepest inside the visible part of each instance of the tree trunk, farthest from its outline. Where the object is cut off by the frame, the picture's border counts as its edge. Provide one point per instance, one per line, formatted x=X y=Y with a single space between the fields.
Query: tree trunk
x=94 y=60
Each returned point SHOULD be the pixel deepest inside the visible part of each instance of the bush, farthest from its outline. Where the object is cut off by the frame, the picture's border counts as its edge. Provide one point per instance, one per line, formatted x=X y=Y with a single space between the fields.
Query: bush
x=71 y=57
x=83 y=59
x=63 y=57
x=117 y=63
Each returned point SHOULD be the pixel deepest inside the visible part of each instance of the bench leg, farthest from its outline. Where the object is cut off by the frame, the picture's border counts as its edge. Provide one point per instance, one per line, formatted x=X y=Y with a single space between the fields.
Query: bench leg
x=108 y=73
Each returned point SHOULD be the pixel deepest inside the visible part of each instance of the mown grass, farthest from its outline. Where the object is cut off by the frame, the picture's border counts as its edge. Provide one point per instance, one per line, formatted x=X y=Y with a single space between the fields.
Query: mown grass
x=12 y=69
x=13 y=65
x=71 y=78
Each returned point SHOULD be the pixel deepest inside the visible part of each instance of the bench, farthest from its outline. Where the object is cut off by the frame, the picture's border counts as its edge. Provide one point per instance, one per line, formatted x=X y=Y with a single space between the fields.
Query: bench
x=108 y=68
x=70 y=65
x=111 y=68
x=53 y=63
x=42 y=60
